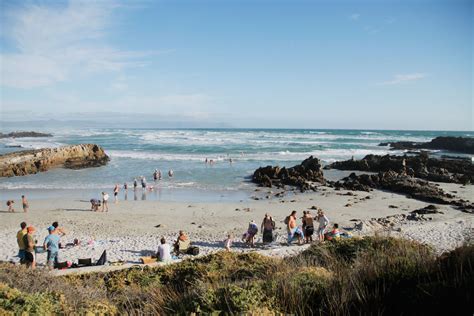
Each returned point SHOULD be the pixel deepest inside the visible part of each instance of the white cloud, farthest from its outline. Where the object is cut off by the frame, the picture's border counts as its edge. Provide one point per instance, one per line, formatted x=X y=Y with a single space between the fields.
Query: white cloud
x=354 y=16
x=398 y=79
x=55 y=43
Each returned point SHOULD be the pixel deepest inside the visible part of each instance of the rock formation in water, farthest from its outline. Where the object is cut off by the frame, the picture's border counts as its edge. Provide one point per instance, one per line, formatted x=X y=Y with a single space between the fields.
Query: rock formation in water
x=24 y=134
x=301 y=176
x=22 y=163
x=449 y=143
x=420 y=166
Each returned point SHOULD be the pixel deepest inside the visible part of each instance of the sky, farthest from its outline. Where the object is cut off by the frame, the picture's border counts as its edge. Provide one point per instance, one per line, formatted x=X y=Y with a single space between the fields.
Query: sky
x=260 y=64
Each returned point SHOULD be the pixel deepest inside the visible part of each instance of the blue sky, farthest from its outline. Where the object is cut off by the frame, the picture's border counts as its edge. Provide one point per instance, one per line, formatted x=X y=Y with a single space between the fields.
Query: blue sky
x=288 y=64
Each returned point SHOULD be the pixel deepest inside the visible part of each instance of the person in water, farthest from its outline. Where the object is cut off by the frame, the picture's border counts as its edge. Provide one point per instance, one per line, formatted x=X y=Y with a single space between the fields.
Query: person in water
x=135 y=184
x=170 y=173
x=25 y=204
x=116 y=191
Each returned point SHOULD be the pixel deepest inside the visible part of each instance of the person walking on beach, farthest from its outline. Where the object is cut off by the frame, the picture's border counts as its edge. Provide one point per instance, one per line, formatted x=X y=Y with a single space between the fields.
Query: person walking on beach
x=29 y=241
x=143 y=183
x=308 y=226
x=116 y=191
x=51 y=243
x=105 y=201
x=10 y=206
x=135 y=184
x=25 y=204
x=267 y=227
x=164 y=251
x=323 y=224
x=21 y=244
x=292 y=228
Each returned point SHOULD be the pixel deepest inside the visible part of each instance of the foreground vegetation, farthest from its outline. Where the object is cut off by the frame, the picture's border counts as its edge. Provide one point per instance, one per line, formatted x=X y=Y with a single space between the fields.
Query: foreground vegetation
x=354 y=276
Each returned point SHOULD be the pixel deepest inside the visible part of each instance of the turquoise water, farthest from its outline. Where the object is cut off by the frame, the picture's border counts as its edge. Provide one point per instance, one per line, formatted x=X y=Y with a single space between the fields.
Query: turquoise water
x=138 y=152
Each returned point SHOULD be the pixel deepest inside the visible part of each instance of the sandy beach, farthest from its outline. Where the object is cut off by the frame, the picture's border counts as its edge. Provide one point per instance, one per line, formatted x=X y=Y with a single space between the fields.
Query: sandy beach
x=132 y=229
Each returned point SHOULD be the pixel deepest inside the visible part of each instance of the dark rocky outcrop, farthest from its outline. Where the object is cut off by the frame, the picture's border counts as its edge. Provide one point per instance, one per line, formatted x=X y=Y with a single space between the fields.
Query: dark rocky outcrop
x=420 y=166
x=403 y=184
x=449 y=143
x=32 y=161
x=301 y=176
x=24 y=134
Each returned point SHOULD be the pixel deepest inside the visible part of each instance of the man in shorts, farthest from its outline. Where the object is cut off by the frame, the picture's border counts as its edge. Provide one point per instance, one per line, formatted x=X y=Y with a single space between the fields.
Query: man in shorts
x=51 y=243
x=19 y=239
x=29 y=241
x=25 y=204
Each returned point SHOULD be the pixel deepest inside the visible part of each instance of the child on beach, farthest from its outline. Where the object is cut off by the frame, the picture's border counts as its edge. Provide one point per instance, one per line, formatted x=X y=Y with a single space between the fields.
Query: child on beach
x=228 y=242
x=25 y=204
x=10 y=206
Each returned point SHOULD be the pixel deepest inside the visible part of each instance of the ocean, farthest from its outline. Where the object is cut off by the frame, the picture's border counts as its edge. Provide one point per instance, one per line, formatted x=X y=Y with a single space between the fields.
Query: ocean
x=138 y=152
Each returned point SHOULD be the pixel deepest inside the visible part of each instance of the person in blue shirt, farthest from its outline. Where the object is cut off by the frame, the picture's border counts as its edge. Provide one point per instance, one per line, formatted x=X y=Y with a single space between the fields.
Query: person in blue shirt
x=51 y=243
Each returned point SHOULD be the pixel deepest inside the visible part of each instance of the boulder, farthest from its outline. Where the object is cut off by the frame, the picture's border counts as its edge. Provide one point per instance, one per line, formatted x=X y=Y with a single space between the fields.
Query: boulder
x=301 y=176
x=32 y=161
x=24 y=134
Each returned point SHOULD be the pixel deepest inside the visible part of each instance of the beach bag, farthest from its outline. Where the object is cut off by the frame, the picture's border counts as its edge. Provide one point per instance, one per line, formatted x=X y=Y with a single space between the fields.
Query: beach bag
x=147 y=260
x=84 y=262
x=287 y=220
x=193 y=250
x=102 y=260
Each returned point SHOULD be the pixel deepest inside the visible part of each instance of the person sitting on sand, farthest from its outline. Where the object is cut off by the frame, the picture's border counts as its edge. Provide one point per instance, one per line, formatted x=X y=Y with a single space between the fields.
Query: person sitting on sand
x=323 y=224
x=10 y=206
x=334 y=234
x=29 y=241
x=105 y=201
x=228 y=242
x=267 y=227
x=182 y=243
x=292 y=229
x=51 y=243
x=249 y=236
x=308 y=226
x=25 y=204
x=164 y=251
x=95 y=203
x=21 y=244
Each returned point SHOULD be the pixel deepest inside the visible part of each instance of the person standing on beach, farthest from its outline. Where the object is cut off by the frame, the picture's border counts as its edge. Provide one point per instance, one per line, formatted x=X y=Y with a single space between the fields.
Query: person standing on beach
x=267 y=227
x=308 y=226
x=292 y=228
x=143 y=183
x=51 y=243
x=10 y=206
x=323 y=224
x=125 y=186
x=228 y=241
x=29 y=241
x=25 y=204
x=60 y=231
x=135 y=184
x=105 y=201
x=116 y=191
x=21 y=244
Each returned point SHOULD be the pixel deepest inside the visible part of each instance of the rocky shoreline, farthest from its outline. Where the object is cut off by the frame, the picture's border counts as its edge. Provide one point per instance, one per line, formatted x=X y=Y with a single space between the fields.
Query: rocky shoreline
x=448 y=143
x=24 y=134
x=22 y=163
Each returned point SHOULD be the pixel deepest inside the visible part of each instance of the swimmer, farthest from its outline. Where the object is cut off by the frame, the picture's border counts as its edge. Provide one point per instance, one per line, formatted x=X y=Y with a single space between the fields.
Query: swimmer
x=170 y=173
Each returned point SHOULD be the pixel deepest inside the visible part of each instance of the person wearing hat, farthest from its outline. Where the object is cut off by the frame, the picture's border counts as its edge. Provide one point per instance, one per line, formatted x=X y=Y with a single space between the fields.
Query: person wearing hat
x=51 y=243
x=29 y=242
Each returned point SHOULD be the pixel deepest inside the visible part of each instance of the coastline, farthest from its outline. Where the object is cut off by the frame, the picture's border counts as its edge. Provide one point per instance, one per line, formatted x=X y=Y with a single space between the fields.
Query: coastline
x=133 y=228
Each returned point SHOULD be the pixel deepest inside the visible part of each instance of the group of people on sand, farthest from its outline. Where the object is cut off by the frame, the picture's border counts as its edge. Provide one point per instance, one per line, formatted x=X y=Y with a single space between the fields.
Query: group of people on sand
x=303 y=233
x=27 y=245
x=24 y=203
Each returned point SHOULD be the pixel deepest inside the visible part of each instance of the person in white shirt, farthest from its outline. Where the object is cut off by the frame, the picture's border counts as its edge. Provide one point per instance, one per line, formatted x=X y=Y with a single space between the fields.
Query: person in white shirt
x=164 y=251
x=105 y=201
x=323 y=224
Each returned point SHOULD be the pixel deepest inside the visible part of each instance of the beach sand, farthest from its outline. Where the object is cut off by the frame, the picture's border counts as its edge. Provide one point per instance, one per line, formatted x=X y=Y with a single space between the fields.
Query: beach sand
x=132 y=229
